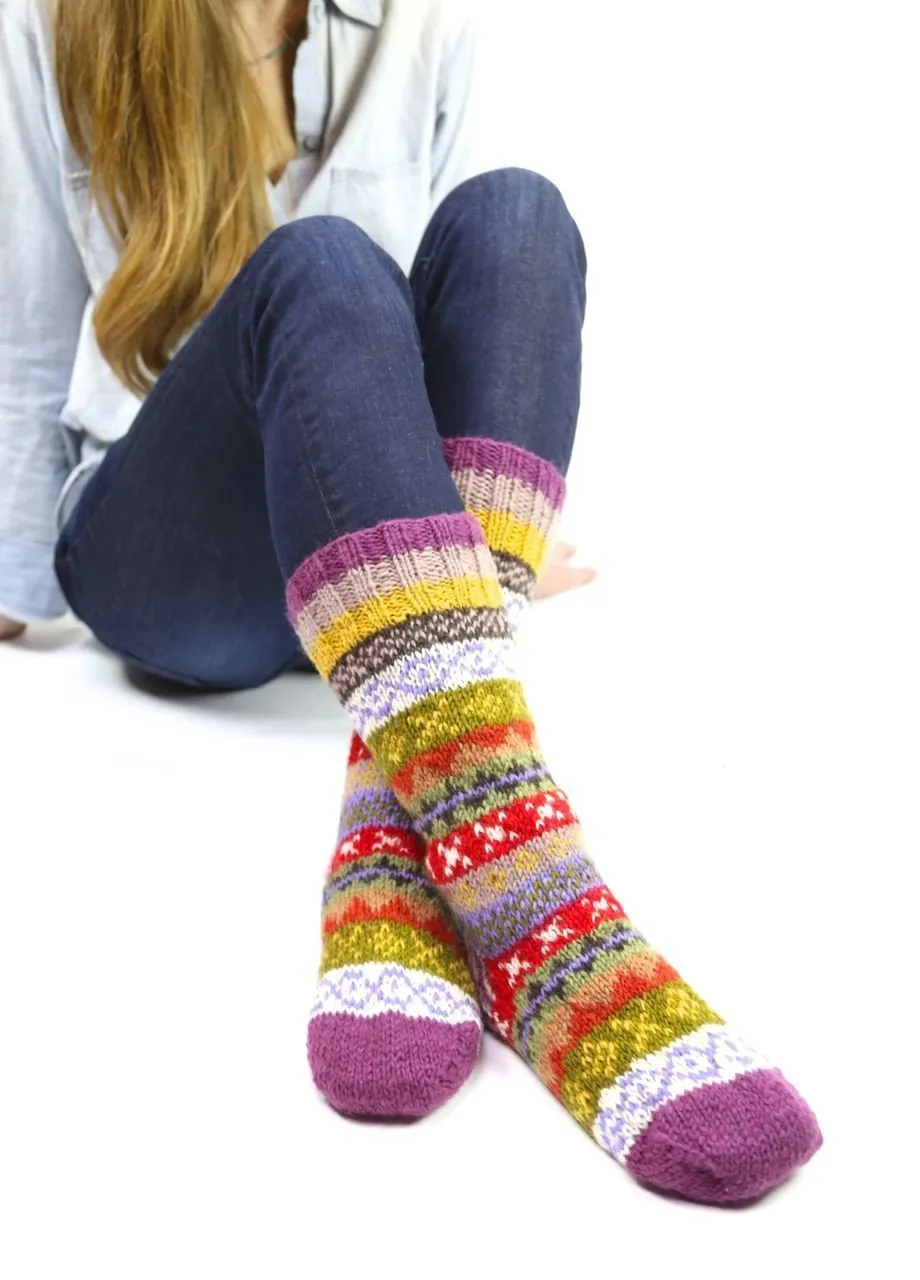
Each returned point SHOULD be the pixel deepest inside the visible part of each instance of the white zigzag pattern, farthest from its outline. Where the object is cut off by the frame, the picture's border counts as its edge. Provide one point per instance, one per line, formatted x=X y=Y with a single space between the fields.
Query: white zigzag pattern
x=711 y=1055
x=364 y=990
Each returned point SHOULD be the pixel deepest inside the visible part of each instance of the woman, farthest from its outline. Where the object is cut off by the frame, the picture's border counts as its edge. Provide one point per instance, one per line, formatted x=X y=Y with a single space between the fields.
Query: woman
x=269 y=418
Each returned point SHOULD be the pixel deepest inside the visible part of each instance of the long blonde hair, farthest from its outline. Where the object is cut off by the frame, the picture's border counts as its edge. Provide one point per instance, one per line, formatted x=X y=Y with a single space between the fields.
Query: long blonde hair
x=162 y=107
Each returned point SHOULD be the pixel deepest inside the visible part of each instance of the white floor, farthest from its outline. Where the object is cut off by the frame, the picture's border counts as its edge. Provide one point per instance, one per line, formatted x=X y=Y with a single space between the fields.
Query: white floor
x=734 y=707
x=161 y=870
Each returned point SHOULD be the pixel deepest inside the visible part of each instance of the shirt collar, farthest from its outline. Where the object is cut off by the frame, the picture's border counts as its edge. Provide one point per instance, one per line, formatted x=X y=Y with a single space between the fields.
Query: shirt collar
x=367 y=11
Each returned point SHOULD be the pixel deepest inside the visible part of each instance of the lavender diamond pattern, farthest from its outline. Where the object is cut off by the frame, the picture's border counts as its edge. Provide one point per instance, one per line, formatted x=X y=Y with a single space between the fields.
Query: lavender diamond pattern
x=365 y=990
x=711 y=1055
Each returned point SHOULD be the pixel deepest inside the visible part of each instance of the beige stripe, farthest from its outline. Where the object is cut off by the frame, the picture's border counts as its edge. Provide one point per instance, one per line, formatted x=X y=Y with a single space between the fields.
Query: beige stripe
x=481 y=491
x=484 y=887
x=363 y=776
x=368 y=582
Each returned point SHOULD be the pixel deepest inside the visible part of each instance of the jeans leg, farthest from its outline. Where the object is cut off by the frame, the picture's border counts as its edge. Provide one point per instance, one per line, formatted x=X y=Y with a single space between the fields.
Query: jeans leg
x=499 y=287
x=296 y=412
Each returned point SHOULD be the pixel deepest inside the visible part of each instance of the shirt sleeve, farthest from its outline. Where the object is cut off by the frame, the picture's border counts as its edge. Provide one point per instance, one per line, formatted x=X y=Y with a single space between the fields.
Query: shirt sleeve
x=43 y=293
x=454 y=156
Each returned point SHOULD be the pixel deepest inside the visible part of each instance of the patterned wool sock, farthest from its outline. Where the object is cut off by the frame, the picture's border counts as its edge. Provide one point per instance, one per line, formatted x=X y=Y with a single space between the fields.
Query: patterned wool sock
x=516 y=497
x=393 y=1030
x=395 y=1027
x=406 y=622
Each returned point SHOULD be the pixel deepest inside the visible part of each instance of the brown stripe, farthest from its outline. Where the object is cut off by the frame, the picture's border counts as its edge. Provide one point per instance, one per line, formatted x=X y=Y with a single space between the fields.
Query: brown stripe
x=514 y=575
x=378 y=651
x=369 y=582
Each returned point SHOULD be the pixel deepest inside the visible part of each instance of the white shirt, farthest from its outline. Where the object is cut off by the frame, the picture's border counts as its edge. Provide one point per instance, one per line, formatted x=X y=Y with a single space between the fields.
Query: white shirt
x=383 y=97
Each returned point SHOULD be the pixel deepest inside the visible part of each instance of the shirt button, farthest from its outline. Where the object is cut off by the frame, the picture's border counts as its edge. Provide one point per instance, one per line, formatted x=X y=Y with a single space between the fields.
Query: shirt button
x=311 y=144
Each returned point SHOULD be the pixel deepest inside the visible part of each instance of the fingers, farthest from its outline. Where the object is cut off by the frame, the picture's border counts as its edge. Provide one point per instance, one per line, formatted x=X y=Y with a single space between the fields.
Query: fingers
x=10 y=630
x=562 y=578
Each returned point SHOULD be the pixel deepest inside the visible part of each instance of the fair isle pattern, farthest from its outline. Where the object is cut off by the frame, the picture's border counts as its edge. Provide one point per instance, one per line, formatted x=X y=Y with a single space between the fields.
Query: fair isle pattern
x=392 y=968
x=379 y=907
x=442 y=666
x=517 y=497
x=563 y=974
x=712 y=1055
x=366 y=990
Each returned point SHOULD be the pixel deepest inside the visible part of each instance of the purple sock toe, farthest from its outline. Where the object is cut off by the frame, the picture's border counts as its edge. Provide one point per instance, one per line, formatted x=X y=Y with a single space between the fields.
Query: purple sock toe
x=727 y=1143
x=390 y=1065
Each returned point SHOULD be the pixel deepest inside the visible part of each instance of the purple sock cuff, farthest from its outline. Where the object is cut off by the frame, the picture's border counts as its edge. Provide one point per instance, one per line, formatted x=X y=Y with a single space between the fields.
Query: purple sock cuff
x=475 y=453
x=331 y=563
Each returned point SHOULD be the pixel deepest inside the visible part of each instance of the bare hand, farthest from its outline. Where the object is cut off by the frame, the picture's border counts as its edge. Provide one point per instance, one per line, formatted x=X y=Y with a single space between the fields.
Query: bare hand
x=9 y=629
x=559 y=575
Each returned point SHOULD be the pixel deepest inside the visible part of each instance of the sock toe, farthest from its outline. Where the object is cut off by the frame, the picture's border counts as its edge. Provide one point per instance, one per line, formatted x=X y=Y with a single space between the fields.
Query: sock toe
x=727 y=1143
x=390 y=1066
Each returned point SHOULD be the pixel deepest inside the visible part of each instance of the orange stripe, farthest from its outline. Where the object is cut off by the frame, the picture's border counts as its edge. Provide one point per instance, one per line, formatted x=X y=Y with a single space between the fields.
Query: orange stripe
x=626 y=982
x=397 y=910
x=441 y=760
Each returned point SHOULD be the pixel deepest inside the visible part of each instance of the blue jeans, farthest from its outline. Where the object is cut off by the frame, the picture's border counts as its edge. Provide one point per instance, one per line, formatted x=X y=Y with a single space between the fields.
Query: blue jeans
x=311 y=402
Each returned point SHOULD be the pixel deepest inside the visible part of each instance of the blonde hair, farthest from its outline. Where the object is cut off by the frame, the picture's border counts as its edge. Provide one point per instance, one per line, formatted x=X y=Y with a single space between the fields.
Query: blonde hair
x=162 y=107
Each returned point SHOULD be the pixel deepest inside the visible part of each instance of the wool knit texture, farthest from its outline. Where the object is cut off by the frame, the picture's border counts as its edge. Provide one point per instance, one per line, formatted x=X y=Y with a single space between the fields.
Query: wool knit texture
x=393 y=1029
x=407 y=623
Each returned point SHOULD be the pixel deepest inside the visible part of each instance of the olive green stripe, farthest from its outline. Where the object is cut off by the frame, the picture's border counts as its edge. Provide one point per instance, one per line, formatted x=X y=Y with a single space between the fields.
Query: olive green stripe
x=444 y=717
x=643 y=1026
x=389 y=942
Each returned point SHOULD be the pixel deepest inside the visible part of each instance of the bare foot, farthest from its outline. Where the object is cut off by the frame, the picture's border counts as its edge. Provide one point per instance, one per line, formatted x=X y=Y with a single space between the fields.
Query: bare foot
x=560 y=575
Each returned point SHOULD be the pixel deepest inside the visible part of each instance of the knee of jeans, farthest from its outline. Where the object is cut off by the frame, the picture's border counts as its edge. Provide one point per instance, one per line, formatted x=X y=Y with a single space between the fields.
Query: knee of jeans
x=320 y=245
x=511 y=206
x=331 y=261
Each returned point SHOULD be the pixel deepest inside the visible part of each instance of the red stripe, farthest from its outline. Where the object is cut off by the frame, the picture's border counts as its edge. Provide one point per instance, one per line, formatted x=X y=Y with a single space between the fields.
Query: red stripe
x=395 y=842
x=497 y=834
x=508 y=972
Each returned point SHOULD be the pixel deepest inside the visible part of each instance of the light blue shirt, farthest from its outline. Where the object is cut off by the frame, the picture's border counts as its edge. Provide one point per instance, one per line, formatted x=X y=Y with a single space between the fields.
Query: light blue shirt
x=383 y=119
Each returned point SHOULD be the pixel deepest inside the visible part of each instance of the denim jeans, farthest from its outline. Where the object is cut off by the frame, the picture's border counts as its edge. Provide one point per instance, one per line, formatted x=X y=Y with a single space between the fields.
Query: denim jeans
x=311 y=402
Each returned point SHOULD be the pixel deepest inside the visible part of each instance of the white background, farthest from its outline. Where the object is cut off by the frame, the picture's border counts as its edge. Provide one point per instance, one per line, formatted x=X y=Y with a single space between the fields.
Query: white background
x=734 y=707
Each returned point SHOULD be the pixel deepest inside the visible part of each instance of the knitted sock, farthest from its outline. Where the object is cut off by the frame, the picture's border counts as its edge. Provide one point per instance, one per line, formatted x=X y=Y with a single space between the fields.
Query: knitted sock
x=395 y=1027
x=406 y=622
x=393 y=1030
x=516 y=497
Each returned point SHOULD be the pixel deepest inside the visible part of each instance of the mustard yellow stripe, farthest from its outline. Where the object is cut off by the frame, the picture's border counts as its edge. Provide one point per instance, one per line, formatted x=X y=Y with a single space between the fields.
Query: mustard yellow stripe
x=504 y=532
x=368 y=581
x=443 y=718
x=366 y=619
